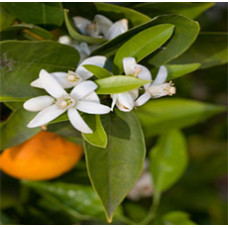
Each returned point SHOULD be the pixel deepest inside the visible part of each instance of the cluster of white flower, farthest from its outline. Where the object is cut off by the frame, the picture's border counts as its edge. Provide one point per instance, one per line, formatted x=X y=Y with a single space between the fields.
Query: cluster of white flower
x=83 y=96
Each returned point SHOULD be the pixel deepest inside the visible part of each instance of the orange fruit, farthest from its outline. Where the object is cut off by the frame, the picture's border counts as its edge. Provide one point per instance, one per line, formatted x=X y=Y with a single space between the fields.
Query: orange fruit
x=44 y=156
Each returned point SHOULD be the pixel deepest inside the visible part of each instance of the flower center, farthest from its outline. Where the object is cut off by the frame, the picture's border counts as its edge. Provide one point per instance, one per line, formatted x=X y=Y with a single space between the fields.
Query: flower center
x=72 y=76
x=65 y=101
x=162 y=90
x=136 y=71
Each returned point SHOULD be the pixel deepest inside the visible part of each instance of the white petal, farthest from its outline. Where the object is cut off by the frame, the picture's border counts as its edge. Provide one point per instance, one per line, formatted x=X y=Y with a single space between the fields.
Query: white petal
x=114 y=100
x=103 y=23
x=116 y=29
x=125 y=102
x=45 y=116
x=83 y=89
x=134 y=93
x=144 y=74
x=128 y=65
x=161 y=76
x=65 y=40
x=92 y=97
x=81 y=23
x=37 y=104
x=92 y=107
x=37 y=83
x=95 y=60
x=142 y=99
x=51 y=85
x=77 y=121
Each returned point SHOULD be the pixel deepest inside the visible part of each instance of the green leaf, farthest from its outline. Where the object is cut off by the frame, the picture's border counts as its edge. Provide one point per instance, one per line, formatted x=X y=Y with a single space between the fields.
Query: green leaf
x=175 y=71
x=98 y=138
x=99 y=72
x=25 y=31
x=38 y=13
x=177 y=218
x=83 y=200
x=22 y=62
x=143 y=44
x=118 y=84
x=158 y=116
x=210 y=49
x=76 y=35
x=186 y=31
x=168 y=159
x=188 y=9
x=6 y=19
x=14 y=130
x=114 y=170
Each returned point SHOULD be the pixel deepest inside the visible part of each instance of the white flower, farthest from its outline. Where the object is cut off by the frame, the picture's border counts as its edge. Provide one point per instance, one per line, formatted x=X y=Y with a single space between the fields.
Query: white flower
x=82 y=98
x=82 y=47
x=101 y=27
x=126 y=101
x=71 y=79
x=158 y=88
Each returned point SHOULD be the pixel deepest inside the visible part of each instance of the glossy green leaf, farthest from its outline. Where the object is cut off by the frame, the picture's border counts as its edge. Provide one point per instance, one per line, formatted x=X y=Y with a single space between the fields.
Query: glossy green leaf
x=76 y=35
x=99 y=72
x=25 y=31
x=14 y=130
x=143 y=44
x=175 y=71
x=158 y=116
x=186 y=31
x=188 y=9
x=98 y=138
x=22 y=62
x=79 y=198
x=210 y=49
x=6 y=19
x=168 y=159
x=38 y=13
x=177 y=218
x=114 y=170
x=118 y=84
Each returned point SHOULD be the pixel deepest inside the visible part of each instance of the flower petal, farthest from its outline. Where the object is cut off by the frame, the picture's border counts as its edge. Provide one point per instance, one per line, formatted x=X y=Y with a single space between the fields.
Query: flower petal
x=134 y=93
x=51 y=85
x=37 y=104
x=83 y=89
x=37 y=83
x=92 y=97
x=128 y=65
x=142 y=99
x=92 y=107
x=161 y=76
x=65 y=40
x=144 y=74
x=114 y=100
x=95 y=60
x=77 y=121
x=125 y=102
x=103 y=23
x=81 y=23
x=116 y=29
x=45 y=116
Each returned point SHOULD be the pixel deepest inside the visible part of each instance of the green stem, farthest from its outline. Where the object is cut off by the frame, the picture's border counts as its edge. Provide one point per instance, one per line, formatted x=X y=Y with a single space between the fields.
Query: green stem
x=152 y=212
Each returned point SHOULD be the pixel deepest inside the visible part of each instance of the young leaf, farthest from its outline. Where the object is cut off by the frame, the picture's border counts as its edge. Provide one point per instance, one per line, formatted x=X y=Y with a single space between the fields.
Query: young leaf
x=118 y=84
x=143 y=44
x=168 y=159
x=114 y=170
x=177 y=218
x=76 y=35
x=210 y=49
x=186 y=31
x=22 y=62
x=38 y=13
x=98 y=138
x=188 y=9
x=157 y=116
x=175 y=71
x=99 y=72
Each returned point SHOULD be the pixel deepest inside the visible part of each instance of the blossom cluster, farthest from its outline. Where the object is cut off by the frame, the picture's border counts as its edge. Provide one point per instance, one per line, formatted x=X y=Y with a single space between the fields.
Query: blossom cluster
x=83 y=97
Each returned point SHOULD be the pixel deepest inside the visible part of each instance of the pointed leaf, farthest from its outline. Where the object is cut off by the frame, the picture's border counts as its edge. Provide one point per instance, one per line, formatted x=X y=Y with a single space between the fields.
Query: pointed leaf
x=99 y=72
x=114 y=170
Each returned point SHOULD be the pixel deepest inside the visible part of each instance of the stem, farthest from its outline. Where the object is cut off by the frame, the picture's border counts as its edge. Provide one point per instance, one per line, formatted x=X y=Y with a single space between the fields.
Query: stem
x=152 y=212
